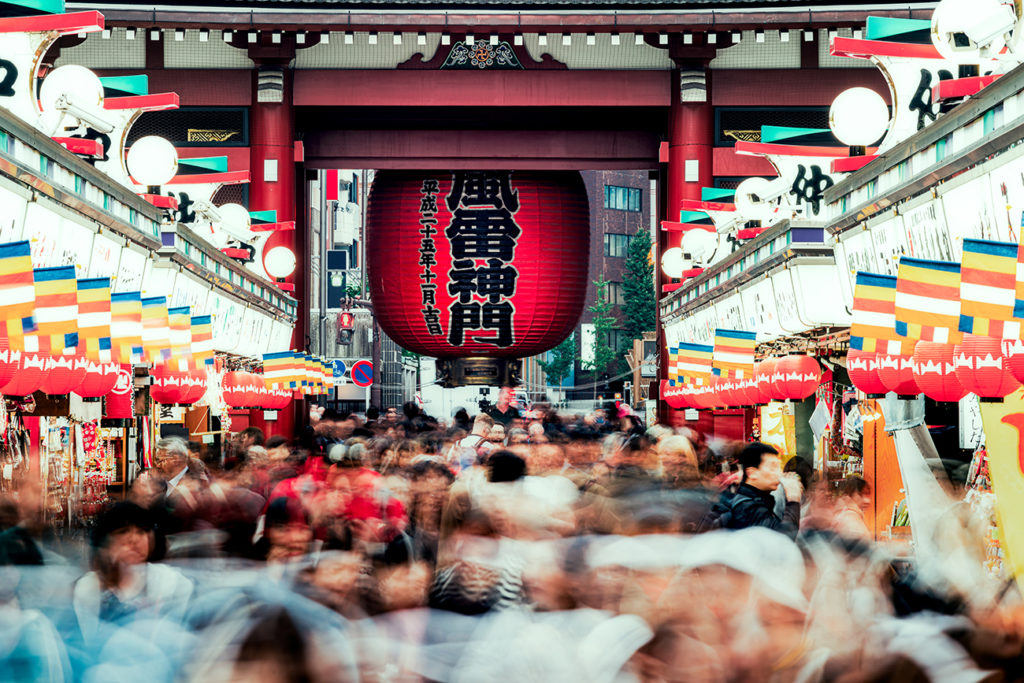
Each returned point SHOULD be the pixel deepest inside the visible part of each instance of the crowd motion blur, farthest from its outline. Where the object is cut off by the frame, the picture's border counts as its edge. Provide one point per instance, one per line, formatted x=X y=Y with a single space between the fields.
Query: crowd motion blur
x=505 y=546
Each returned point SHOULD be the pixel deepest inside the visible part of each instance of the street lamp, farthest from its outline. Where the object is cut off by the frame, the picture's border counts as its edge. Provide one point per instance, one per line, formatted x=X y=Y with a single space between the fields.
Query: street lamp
x=858 y=117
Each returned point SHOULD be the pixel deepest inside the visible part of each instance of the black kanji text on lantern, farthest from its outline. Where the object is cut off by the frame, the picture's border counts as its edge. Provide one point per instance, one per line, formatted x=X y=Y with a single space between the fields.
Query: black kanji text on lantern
x=483 y=235
x=428 y=252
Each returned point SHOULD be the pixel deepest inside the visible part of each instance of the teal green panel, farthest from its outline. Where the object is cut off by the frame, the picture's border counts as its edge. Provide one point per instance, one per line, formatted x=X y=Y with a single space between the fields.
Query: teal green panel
x=211 y=164
x=135 y=85
x=716 y=194
x=49 y=6
x=780 y=133
x=886 y=28
x=269 y=216
x=693 y=217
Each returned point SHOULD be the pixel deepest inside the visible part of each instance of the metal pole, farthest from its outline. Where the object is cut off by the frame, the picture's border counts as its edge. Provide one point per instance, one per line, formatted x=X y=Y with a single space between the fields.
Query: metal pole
x=323 y=263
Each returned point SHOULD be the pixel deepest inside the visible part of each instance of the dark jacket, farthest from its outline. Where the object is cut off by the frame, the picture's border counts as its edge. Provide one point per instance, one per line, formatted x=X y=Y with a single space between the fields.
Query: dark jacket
x=753 y=507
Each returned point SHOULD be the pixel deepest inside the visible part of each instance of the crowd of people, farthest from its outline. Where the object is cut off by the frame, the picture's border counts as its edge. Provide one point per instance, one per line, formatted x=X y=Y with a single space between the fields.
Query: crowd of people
x=506 y=546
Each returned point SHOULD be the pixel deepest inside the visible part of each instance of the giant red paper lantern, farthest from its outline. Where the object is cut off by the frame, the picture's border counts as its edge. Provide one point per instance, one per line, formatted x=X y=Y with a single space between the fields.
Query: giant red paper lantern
x=8 y=361
x=763 y=372
x=981 y=368
x=30 y=375
x=935 y=373
x=896 y=371
x=503 y=276
x=800 y=377
x=65 y=375
x=862 y=366
x=99 y=379
x=748 y=391
x=282 y=398
x=777 y=385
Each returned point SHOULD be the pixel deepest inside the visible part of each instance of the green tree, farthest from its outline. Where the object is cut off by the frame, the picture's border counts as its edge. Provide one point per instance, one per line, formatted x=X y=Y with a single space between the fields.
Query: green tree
x=639 y=305
x=562 y=358
x=603 y=353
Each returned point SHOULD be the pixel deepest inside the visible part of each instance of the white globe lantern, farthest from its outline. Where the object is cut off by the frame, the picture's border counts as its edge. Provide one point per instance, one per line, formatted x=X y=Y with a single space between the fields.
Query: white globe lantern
x=279 y=262
x=750 y=200
x=152 y=161
x=700 y=245
x=858 y=117
x=73 y=82
x=672 y=262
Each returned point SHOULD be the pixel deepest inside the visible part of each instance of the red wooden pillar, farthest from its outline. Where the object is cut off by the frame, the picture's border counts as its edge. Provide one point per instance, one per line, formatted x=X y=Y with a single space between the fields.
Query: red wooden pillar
x=273 y=187
x=691 y=141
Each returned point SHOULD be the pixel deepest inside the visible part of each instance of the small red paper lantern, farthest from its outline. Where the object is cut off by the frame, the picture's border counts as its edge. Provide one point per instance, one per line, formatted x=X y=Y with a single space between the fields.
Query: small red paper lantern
x=234 y=385
x=8 y=361
x=99 y=379
x=700 y=396
x=981 y=368
x=118 y=402
x=250 y=391
x=193 y=386
x=1013 y=352
x=896 y=372
x=777 y=388
x=763 y=379
x=673 y=396
x=280 y=398
x=748 y=391
x=29 y=376
x=167 y=386
x=862 y=366
x=800 y=376
x=66 y=374
x=935 y=373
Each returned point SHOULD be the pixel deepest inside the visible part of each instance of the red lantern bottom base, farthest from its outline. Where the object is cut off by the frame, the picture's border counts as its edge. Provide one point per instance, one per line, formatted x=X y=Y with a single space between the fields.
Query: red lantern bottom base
x=91 y=399
x=990 y=399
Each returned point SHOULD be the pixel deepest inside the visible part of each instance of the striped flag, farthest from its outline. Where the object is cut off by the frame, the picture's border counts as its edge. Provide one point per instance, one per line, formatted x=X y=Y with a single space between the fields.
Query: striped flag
x=126 y=327
x=202 y=340
x=928 y=300
x=56 y=311
x=988 y=289
x=673 y=373
x=17 y=293
x=328 y=375
x=94 y=318
x=733 y=357
x=156 y=330
x=277 y=369
x=179 y=319
x=873 y=328
x=693 y=363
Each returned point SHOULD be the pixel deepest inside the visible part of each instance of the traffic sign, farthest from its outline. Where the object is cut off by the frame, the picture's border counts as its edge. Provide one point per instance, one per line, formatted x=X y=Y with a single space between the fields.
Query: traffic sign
x=362 y=373
x=339 y=368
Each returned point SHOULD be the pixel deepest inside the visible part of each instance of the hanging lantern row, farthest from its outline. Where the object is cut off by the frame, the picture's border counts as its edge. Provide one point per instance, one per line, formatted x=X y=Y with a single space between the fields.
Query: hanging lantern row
x=249 y=390
x=23 y=373
x=174 y=387
x=774 y=379
x=988 y=367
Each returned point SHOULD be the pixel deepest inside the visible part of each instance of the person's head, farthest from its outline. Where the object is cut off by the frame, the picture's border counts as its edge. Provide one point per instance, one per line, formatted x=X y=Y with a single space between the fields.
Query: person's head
x=391 y=415
x=251 y=436
x=496 y=433
x=482 y=425
x=410 y=410
x=287 y=527
x=277 y=448
x=517 y=436
x=505 y=466
x=124 y=535
x=761 y=466
x=505 y=398
x=170 y=456
x=803 y=470
x=461 y=417
x=372 y=413
x=857 y=490
x=678 y=459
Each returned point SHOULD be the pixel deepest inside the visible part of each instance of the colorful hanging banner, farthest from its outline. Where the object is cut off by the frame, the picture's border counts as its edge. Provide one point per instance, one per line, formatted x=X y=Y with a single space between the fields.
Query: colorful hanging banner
x=927 y=305
x=673 y=372
x=873 y=327
x=202 y=340
x=17 y=293
x=126 y=327
x=988 y=289
x=733 y=355
x=94 y=319
x=156 y=331
x=693 y=363
x=179 y=320
x=277 y=369
x=56 y=311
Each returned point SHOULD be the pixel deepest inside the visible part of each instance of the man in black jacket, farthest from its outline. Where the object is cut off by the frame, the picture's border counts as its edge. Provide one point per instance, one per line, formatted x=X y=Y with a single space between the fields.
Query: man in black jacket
x=753 y=504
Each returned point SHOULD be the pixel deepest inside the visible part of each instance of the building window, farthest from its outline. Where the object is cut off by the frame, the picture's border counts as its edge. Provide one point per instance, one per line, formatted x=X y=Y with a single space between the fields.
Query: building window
x=615 y=294
x=621 y=198
x=616 y=245
x=617 y=339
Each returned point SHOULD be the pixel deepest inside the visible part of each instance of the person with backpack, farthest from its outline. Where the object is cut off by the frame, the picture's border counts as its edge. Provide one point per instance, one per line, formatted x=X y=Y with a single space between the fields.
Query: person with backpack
x=466 y=452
